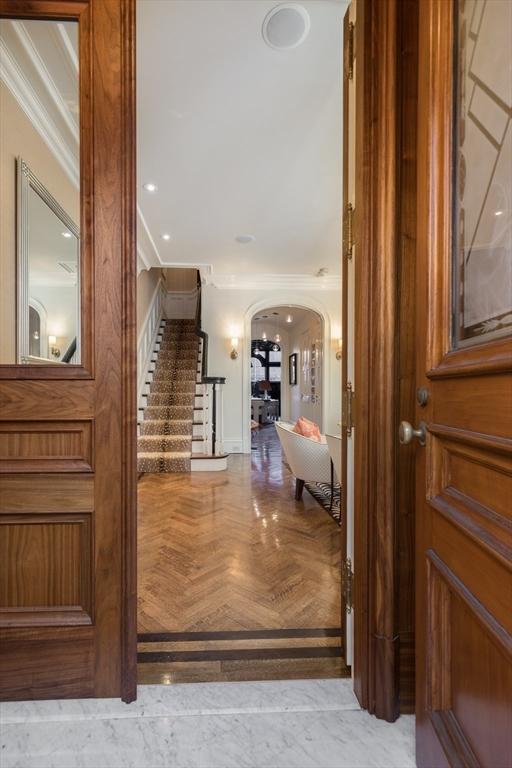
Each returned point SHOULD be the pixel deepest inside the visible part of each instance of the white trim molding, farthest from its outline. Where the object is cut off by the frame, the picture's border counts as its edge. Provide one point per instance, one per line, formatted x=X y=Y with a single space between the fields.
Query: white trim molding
x=143 y=263
x=153 y=260
x=29 y=102
x=147 y=337
x=276 y=282
x=45 y=77
x=68 y=46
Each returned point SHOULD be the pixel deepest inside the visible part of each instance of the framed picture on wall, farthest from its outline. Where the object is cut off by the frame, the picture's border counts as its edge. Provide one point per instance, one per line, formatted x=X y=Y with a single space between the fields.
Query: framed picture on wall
x=292 y=368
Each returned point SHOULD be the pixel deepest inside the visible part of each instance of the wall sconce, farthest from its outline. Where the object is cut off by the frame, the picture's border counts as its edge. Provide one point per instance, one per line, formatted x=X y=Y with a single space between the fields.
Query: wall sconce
x=54 y=350
x=339 y=350
x=234 y=348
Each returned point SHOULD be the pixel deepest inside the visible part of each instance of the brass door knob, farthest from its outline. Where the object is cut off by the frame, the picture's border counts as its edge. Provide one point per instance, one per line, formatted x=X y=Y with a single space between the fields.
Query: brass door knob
x=406 y=433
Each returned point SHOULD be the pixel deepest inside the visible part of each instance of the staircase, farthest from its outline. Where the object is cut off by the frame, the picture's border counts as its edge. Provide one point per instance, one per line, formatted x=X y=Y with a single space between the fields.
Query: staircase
x=166 y=430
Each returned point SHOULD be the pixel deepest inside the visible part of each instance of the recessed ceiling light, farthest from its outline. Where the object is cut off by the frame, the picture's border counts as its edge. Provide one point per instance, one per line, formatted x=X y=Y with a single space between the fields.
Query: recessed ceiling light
x=66 y=234
x=498 y=213
x=286 y=26
x=150 y=187
x=245 y=239
x=166 y=236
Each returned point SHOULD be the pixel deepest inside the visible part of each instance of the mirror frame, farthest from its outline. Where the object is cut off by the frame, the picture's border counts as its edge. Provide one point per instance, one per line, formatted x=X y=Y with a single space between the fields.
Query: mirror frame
x=26 y=180
x=78 y=11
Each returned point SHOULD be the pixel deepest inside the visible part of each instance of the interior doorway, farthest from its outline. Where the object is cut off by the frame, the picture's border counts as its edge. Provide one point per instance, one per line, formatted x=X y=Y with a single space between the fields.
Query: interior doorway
x=286 y=365
x=255 y=568
x=108 y=355
x=251 y=546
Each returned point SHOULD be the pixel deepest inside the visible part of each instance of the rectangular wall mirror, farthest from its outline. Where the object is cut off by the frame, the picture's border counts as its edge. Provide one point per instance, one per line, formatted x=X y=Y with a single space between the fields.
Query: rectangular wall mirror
x=40 y=193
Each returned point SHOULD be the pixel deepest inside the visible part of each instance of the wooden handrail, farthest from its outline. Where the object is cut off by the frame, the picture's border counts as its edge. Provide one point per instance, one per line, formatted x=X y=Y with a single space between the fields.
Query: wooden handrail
x=70 y=351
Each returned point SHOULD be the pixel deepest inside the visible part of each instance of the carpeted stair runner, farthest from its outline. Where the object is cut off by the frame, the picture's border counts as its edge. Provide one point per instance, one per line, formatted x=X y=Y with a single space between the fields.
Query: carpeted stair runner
x=165 y=441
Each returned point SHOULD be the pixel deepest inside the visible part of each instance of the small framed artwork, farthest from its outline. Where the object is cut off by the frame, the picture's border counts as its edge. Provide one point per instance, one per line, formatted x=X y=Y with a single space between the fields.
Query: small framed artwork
x=292 y=368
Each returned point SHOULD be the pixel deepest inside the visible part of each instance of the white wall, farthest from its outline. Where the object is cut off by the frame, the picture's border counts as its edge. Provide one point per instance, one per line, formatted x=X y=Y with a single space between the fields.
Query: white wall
x=299 y=401
x=227 y=313
x=181 y=305
x=147 y=281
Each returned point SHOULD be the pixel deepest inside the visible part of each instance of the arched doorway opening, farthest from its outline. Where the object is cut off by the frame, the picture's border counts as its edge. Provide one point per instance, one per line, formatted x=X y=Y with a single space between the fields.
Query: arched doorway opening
x=286 y=365
x=326 y=408
x=38 y=339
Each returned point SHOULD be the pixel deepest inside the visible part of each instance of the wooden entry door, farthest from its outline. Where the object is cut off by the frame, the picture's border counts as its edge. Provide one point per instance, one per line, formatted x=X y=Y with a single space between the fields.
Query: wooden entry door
x=464 y=366
x=67 y=429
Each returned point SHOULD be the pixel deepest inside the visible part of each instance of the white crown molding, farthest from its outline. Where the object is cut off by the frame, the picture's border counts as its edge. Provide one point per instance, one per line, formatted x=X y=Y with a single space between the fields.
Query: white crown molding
x=205 y=273
x=26 y=97
x=142 y=262
x=68 y=46
x=205 y=270
x=276 y=282
x=46 y=78
x=156 y=261
x=190 y=294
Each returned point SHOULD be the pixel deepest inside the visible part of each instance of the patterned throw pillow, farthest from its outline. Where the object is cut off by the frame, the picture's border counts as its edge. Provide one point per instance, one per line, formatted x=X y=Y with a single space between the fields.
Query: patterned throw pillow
x=308 y=428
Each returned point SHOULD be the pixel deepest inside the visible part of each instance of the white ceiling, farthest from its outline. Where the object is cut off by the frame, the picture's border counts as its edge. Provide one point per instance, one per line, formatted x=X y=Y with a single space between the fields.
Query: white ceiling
x=239 y=137
x=275 y=318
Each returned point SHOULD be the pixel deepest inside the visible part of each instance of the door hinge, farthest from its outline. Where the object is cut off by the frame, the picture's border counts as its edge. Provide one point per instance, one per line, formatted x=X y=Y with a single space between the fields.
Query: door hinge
x=348 y=227
x=349 y=66
x=349 y=419
x=347 y=581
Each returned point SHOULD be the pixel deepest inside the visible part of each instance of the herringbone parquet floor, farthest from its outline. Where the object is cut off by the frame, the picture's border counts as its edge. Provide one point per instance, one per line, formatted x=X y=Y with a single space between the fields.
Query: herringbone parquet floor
x=234 y=551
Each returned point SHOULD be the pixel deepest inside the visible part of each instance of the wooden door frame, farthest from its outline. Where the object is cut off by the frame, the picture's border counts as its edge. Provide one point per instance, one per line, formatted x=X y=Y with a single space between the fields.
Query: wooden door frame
x=381 y=486
x=377 y=228
x=98 y=113
x=129 y=358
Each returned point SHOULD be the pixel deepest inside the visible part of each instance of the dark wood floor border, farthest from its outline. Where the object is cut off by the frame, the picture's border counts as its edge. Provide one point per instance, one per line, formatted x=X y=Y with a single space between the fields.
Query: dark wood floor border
x=156 y=657
x=243 y=634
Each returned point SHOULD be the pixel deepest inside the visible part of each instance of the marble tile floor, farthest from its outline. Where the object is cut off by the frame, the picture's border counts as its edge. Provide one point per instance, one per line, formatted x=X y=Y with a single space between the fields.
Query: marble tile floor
x=274 y=724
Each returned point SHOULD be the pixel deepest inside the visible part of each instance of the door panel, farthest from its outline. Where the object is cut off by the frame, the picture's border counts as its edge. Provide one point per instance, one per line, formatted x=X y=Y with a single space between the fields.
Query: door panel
x=464 y=472
x=67 y=431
